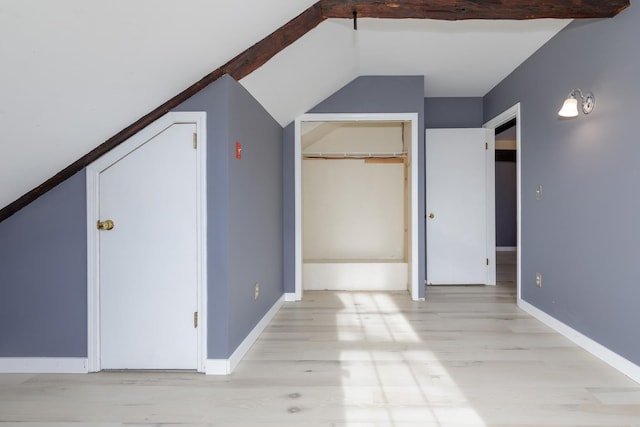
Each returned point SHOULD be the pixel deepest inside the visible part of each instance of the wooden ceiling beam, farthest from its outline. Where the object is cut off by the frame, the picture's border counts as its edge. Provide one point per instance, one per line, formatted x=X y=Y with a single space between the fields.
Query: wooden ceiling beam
x=258 y=54
x=453 y=10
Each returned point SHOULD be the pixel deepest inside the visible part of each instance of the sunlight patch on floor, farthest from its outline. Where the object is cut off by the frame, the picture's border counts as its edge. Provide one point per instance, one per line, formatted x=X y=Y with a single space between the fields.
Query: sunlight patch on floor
x=400 y=392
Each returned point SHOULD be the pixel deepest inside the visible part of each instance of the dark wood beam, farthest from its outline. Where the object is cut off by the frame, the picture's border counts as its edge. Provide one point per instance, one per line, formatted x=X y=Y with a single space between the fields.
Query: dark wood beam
x=261 y=52
x=453 y=10
x=239 y=67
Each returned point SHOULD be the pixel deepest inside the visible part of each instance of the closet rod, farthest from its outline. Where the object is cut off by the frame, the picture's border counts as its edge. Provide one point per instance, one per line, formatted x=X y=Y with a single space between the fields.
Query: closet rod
x=354 y=155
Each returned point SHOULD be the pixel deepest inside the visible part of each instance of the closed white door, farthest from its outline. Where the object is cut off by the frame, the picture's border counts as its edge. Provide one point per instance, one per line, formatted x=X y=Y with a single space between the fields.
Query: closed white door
x=456 y=175
x=148 y=270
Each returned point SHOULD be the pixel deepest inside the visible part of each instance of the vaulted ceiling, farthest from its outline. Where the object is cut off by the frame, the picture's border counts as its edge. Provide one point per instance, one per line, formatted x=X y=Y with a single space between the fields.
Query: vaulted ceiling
x=458 y=58
x=76 y=73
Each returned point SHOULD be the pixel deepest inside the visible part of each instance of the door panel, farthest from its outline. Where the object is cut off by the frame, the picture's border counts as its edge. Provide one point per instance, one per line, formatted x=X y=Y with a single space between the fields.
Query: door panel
x=456 y=206
x=148 y=270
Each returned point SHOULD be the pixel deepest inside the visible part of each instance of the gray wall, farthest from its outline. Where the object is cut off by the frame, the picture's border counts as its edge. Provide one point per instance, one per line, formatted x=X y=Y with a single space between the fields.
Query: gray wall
x=255 y=213
x=288 y=208
x=214 y=99
x=366 y=94
x=506 y=204
x=244 y=212
x=453 y=113
x=43 y=255
x=583 y=235
x=43 y=275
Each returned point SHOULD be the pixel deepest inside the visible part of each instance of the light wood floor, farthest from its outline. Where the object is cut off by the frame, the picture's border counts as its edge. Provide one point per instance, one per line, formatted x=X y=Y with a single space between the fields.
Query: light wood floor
x=466 y=357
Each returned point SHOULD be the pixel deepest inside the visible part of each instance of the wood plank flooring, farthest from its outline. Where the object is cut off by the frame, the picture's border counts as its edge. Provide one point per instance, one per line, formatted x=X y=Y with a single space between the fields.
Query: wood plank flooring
x=466 y=357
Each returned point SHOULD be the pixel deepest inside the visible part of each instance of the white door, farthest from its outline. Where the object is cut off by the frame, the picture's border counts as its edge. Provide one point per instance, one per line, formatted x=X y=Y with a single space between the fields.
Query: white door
x=456 y=185
x=147 y=267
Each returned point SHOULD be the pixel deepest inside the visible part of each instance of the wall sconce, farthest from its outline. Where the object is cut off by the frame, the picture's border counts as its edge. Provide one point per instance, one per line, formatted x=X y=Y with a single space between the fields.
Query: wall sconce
x=570 y=106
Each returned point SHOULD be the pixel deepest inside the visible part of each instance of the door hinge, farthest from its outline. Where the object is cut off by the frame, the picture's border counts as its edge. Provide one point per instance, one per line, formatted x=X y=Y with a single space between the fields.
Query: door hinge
x=195 y=141
x=487 y=261
x=195 y=319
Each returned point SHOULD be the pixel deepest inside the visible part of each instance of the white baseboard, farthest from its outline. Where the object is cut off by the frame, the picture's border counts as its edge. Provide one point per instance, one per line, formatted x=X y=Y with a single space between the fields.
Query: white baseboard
x=226 y=366
x=611 y=358
x=217 y=367
x=43 y=365
x=290 y=297
x=506 y=248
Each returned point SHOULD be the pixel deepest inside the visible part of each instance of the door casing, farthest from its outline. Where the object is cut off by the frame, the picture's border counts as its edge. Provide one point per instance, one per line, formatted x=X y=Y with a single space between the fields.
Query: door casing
x=502 y=118
x=93 y=255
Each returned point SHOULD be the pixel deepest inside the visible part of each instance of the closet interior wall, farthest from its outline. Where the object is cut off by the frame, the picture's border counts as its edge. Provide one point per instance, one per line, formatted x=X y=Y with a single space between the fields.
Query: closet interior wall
x=355 y=216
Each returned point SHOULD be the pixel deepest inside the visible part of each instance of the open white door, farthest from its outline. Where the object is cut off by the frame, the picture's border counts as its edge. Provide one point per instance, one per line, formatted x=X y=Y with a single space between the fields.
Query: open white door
x=458 y=210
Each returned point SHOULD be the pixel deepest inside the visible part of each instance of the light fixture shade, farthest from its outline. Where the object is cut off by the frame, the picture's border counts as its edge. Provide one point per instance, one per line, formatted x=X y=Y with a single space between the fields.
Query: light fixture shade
x=569 y=108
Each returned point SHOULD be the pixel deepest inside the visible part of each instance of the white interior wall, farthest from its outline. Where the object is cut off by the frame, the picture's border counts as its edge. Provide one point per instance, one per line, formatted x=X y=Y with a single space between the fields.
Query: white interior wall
x=384 y=137
x=352 y=210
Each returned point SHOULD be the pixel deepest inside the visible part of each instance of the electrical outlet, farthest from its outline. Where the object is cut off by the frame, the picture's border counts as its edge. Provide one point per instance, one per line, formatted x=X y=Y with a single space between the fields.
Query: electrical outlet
x=256 y=293
x=539 y=280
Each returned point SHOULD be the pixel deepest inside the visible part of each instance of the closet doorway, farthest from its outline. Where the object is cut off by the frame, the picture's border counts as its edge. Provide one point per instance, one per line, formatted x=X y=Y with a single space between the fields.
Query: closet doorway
x=356 y=203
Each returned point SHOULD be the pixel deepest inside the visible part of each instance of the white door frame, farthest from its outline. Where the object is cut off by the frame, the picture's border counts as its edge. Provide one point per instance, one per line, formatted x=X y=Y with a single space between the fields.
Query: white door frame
x=491 y=205
x=500 y=119
x=93 y=255
x=413 y=162
x=490 y=208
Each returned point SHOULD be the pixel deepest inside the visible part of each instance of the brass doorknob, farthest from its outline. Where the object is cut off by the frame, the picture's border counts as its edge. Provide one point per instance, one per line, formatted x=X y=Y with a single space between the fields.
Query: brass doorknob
x=431 y=215
x=106 y=225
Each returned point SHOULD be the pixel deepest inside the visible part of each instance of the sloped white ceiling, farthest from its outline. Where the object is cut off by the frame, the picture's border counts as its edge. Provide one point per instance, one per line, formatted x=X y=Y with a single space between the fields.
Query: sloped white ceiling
x=305 y=73
x=75 y=72
x=457 y=58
